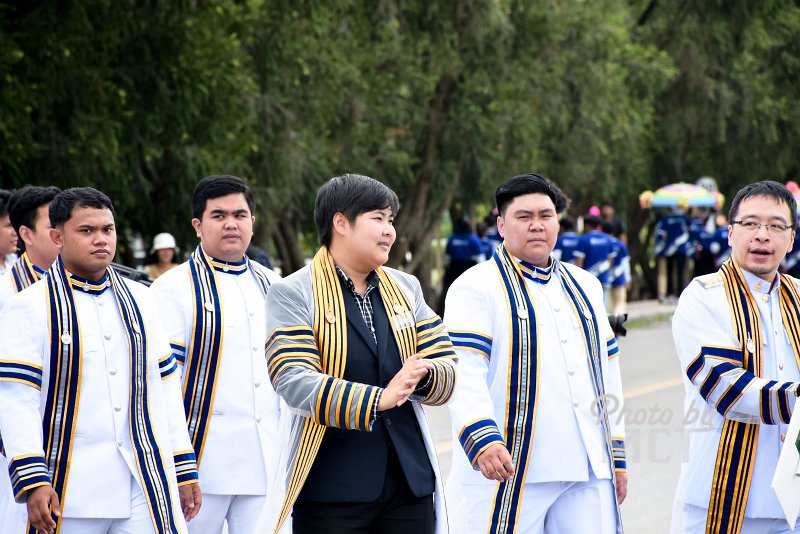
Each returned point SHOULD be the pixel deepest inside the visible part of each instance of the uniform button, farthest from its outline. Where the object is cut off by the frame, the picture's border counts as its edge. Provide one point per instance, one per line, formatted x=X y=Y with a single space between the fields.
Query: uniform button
x=783 y=437
x=107 y=336
x=572 y=373
x=258 y=419
x=556 y=308
x=117 y=408
x=780 y=366
x=119 y=443
x=257 y=384
x=564 y=340
x=255 y=348
x=575 y=404
x=112 y=372
x=252 y=314
x=388 y=422
x=99 y=302
x=765 y=298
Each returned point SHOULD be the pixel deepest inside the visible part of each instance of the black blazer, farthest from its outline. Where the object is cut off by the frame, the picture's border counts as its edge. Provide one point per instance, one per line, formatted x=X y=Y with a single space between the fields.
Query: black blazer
x=351 y=464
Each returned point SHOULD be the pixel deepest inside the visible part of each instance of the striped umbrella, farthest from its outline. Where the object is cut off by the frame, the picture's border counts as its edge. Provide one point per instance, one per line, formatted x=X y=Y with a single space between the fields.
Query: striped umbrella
x=683 y=195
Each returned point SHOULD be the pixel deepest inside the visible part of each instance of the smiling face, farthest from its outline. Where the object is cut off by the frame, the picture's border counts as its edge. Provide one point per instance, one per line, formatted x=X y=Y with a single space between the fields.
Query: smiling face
x=226 y=227
x=87 y=242
x=760 y=252
x=529 y=228
x=364 y=244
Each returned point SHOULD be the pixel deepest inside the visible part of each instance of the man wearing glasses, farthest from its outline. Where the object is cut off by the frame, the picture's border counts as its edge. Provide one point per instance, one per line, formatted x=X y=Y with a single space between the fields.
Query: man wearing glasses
x=737 y=334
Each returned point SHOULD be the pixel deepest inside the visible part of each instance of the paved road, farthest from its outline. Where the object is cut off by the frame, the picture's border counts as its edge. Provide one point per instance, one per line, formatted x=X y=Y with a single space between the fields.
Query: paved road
x=653 y=414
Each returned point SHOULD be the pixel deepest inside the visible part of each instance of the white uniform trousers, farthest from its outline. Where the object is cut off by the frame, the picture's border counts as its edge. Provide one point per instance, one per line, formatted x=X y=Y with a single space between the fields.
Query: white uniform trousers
x=692 y=520
x=546 y=507
x=240 y=511
x=139 y=521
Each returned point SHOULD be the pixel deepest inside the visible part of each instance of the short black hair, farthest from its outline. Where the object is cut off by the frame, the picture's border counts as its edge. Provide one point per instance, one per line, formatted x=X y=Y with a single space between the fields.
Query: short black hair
x=219 y=186
x=765 y=188
x=64 y=203
x=566 y=223
x=351 y=195
x=592 y=221
x=5 y=195
x=525 y=184
x=606 y=202
x=24 y=204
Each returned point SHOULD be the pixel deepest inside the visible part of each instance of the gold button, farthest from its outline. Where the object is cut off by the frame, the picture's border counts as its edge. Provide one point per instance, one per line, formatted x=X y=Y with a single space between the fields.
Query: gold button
x=783 y=437
x=765 y=298
x=780 y=366
x=758 y=286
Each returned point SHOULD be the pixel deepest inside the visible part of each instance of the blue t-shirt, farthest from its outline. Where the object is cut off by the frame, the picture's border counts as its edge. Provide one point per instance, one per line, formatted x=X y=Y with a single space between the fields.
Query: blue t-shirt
x=595 y=248
x=791 y=263
x=672 y=236
x=566 y=243
x=464 y=247
x=719 y=246
x=621 y=272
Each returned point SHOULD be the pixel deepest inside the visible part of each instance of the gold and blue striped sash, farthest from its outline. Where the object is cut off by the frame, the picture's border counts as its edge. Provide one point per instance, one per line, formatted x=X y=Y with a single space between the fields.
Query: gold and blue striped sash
x=63 y=395
x=24 y=273
x=330 y=336
x=736 y=453
x=202 y=356
x=523 y=376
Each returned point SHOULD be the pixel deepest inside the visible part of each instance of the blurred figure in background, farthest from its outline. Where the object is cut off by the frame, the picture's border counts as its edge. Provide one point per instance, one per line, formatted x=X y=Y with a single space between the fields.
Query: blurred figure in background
x=464 y=249
x=671 y=248
x=616 y=226
x=567 y=241
x=620 y=277
x=482 y=229
x=595 y=253
x=8 y=237
x=163 y=255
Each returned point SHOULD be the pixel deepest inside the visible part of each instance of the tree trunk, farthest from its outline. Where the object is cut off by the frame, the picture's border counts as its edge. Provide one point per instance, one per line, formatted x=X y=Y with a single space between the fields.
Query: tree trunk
x=288 y=245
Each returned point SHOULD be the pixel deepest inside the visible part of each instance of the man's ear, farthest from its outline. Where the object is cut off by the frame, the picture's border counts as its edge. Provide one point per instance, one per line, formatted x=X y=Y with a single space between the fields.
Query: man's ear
x=25 y=234
x=196 y=224
x=340 y=223
x=57 y=237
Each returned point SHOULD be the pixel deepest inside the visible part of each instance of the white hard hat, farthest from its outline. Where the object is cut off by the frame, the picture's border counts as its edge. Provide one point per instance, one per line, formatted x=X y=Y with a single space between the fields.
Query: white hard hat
x=163 y=240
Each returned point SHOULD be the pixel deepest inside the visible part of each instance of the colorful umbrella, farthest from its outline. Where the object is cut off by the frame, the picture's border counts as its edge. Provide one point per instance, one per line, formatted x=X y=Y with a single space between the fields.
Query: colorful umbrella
x=683 y=195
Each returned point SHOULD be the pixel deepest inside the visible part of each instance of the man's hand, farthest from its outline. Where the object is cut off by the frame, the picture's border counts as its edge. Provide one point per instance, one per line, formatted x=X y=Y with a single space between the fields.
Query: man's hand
x=404 y=382
x=622 y=485
x=42 y=502
x=191 y=500
x=495 y=463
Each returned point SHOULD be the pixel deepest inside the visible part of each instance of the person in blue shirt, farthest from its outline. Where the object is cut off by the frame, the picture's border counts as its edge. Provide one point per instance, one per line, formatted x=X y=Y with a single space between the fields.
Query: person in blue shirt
x=464 y=249
x=620 y=275
x=595 y=253
x=567 y=241
x=488 y=245
x=671 y=249
x=720 y=247
x=701 y=237
x=791 y=263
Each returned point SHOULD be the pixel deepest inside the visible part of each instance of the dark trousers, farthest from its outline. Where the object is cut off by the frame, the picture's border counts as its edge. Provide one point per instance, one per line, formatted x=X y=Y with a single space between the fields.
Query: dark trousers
x=396 y=511
x=676 y=271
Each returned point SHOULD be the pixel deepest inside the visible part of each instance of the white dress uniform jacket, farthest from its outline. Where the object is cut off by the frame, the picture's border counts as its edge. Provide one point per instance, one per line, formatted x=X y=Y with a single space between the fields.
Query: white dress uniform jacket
x=241 y=441
x=549 y=397
x=102 y=461
x=708 y=348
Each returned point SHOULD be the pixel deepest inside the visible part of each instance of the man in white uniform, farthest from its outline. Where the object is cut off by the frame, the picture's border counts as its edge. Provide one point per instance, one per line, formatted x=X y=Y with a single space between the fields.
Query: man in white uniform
x=28 y=212
x=91 y=418
x=8 y=238
x=737 y=336
x=538 y=399
x=213 y=308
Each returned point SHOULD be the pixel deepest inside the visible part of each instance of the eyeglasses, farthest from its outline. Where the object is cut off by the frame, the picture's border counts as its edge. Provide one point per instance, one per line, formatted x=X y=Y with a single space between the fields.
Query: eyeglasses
x=773 y=228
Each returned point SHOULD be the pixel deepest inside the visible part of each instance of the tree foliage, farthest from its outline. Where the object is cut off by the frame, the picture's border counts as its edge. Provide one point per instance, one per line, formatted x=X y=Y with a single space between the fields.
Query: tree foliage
x=442 y=100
